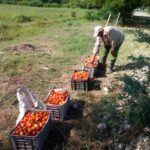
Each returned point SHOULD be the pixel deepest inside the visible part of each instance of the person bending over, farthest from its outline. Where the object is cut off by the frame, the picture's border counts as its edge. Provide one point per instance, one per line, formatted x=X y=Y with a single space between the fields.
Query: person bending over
x=111 y=39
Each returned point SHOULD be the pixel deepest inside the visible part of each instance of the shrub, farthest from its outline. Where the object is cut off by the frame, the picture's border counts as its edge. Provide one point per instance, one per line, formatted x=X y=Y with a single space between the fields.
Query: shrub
x=52 y=5
x=138 y=112
x=101 y=14
x=73 y=14
x=90 y=15
x=107 y=107
x=37 y=3
x=3 y=27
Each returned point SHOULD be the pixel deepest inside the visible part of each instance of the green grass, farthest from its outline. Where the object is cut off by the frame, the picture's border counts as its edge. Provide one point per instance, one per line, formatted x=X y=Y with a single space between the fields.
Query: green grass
x=62 y=39
x=22 y=22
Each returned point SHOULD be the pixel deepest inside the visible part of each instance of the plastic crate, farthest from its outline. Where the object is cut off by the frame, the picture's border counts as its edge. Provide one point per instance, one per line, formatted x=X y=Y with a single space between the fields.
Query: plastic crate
x=31 y=142
x=82 y=85
x=101 y=70
x=58 y=112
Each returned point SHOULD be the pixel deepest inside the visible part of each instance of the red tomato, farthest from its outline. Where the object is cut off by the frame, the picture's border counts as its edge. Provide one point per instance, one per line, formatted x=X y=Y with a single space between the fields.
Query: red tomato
x=31 y=123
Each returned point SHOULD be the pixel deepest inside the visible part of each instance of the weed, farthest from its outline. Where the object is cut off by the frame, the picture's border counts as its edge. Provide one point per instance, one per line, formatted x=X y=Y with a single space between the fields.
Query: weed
x=138 y=112
x=107 y=108
x=73 y=14
x=22 y=18
x=90 y=15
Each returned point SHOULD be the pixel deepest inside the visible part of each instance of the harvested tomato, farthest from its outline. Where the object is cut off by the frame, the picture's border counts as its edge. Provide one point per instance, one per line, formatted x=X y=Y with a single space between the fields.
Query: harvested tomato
x=89 y=64
x=90 y=58
x=57 y=97
x=31 y=123
x=80 y=75
x=88 y=61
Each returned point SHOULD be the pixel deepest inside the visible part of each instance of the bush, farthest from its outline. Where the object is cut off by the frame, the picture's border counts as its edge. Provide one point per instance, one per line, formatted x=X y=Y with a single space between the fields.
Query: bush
x=22 y=18
x=69 y=5
x=106 y=107
x=8 y=1
x=90 y=15
x=101 y=14
x=3 y=27
x=36 y=3
x=52 y=5
x=73 y=14
x=138 y=112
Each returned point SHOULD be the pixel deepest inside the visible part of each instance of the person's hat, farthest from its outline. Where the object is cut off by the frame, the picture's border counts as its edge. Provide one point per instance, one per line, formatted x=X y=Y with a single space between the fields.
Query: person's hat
x=97 y=30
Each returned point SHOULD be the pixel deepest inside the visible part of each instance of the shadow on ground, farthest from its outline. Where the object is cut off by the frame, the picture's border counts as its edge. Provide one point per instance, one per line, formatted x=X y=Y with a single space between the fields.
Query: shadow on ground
x=142 y=36
x=95 y=85
x=137 y=21
x=60 y=131
x=58 y=135
x=136 y=63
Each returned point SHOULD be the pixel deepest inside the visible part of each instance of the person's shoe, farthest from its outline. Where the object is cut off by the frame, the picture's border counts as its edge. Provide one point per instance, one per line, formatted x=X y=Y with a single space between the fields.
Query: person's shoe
x=109 y=70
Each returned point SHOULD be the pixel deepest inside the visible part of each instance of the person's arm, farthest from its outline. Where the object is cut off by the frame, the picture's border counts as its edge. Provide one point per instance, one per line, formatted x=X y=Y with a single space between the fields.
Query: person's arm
x=96 y=48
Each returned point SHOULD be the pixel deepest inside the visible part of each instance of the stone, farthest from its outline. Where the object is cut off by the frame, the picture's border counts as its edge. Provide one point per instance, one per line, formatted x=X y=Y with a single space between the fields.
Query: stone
x=119 y=108
x=73 y=133
x=105 y=117
x=121 y=146
x=106 y=89
x=102 y=126
x=145 y=69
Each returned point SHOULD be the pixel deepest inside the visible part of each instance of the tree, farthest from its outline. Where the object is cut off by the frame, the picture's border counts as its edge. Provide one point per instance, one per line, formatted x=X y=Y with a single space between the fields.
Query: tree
x=125 y=7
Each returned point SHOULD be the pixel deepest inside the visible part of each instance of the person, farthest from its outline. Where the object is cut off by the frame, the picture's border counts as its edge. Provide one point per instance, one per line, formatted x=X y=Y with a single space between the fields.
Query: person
x=111 y=38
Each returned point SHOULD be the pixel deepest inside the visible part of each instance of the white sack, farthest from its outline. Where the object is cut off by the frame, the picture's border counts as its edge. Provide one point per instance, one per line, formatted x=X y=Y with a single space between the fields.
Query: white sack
x=27 y=101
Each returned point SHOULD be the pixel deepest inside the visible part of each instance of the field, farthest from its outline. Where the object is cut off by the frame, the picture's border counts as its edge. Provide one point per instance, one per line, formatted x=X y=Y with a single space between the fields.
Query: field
x=41 y=47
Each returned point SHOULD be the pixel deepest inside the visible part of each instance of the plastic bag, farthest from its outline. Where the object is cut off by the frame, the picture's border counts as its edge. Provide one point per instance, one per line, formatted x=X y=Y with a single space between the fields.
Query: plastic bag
x=27 y=101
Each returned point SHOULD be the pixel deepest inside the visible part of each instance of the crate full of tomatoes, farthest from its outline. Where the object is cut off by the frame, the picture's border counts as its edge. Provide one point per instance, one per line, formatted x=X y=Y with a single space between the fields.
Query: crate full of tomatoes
x=91 y=66
x=80 y=80
x=57 y=102
x=31 y=132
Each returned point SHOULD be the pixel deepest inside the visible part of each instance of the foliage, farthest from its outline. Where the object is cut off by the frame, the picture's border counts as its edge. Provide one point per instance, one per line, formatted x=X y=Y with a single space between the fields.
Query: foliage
x=52 y=5
x=126 y=7
x=88 y=3
x=138 y=112
x=107 y=109
x=73 y=14
x=90 y=15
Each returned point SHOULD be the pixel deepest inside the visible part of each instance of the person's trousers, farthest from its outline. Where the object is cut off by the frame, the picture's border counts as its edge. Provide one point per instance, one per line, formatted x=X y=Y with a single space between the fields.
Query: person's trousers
x=104 y=55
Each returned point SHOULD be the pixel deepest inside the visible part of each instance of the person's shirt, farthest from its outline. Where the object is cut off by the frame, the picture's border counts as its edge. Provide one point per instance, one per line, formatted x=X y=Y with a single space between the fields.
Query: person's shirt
x=111 y=37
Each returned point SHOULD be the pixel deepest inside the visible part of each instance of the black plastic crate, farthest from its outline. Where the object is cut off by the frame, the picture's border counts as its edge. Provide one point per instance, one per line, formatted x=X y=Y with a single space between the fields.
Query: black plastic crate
x=58 y=112
x=82 y=85
x=31 y=142
x=101 y=70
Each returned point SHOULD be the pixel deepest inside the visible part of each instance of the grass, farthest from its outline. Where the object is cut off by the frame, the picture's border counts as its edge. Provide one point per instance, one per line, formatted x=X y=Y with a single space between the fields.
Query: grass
x=62 y=38
x=24 y=22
